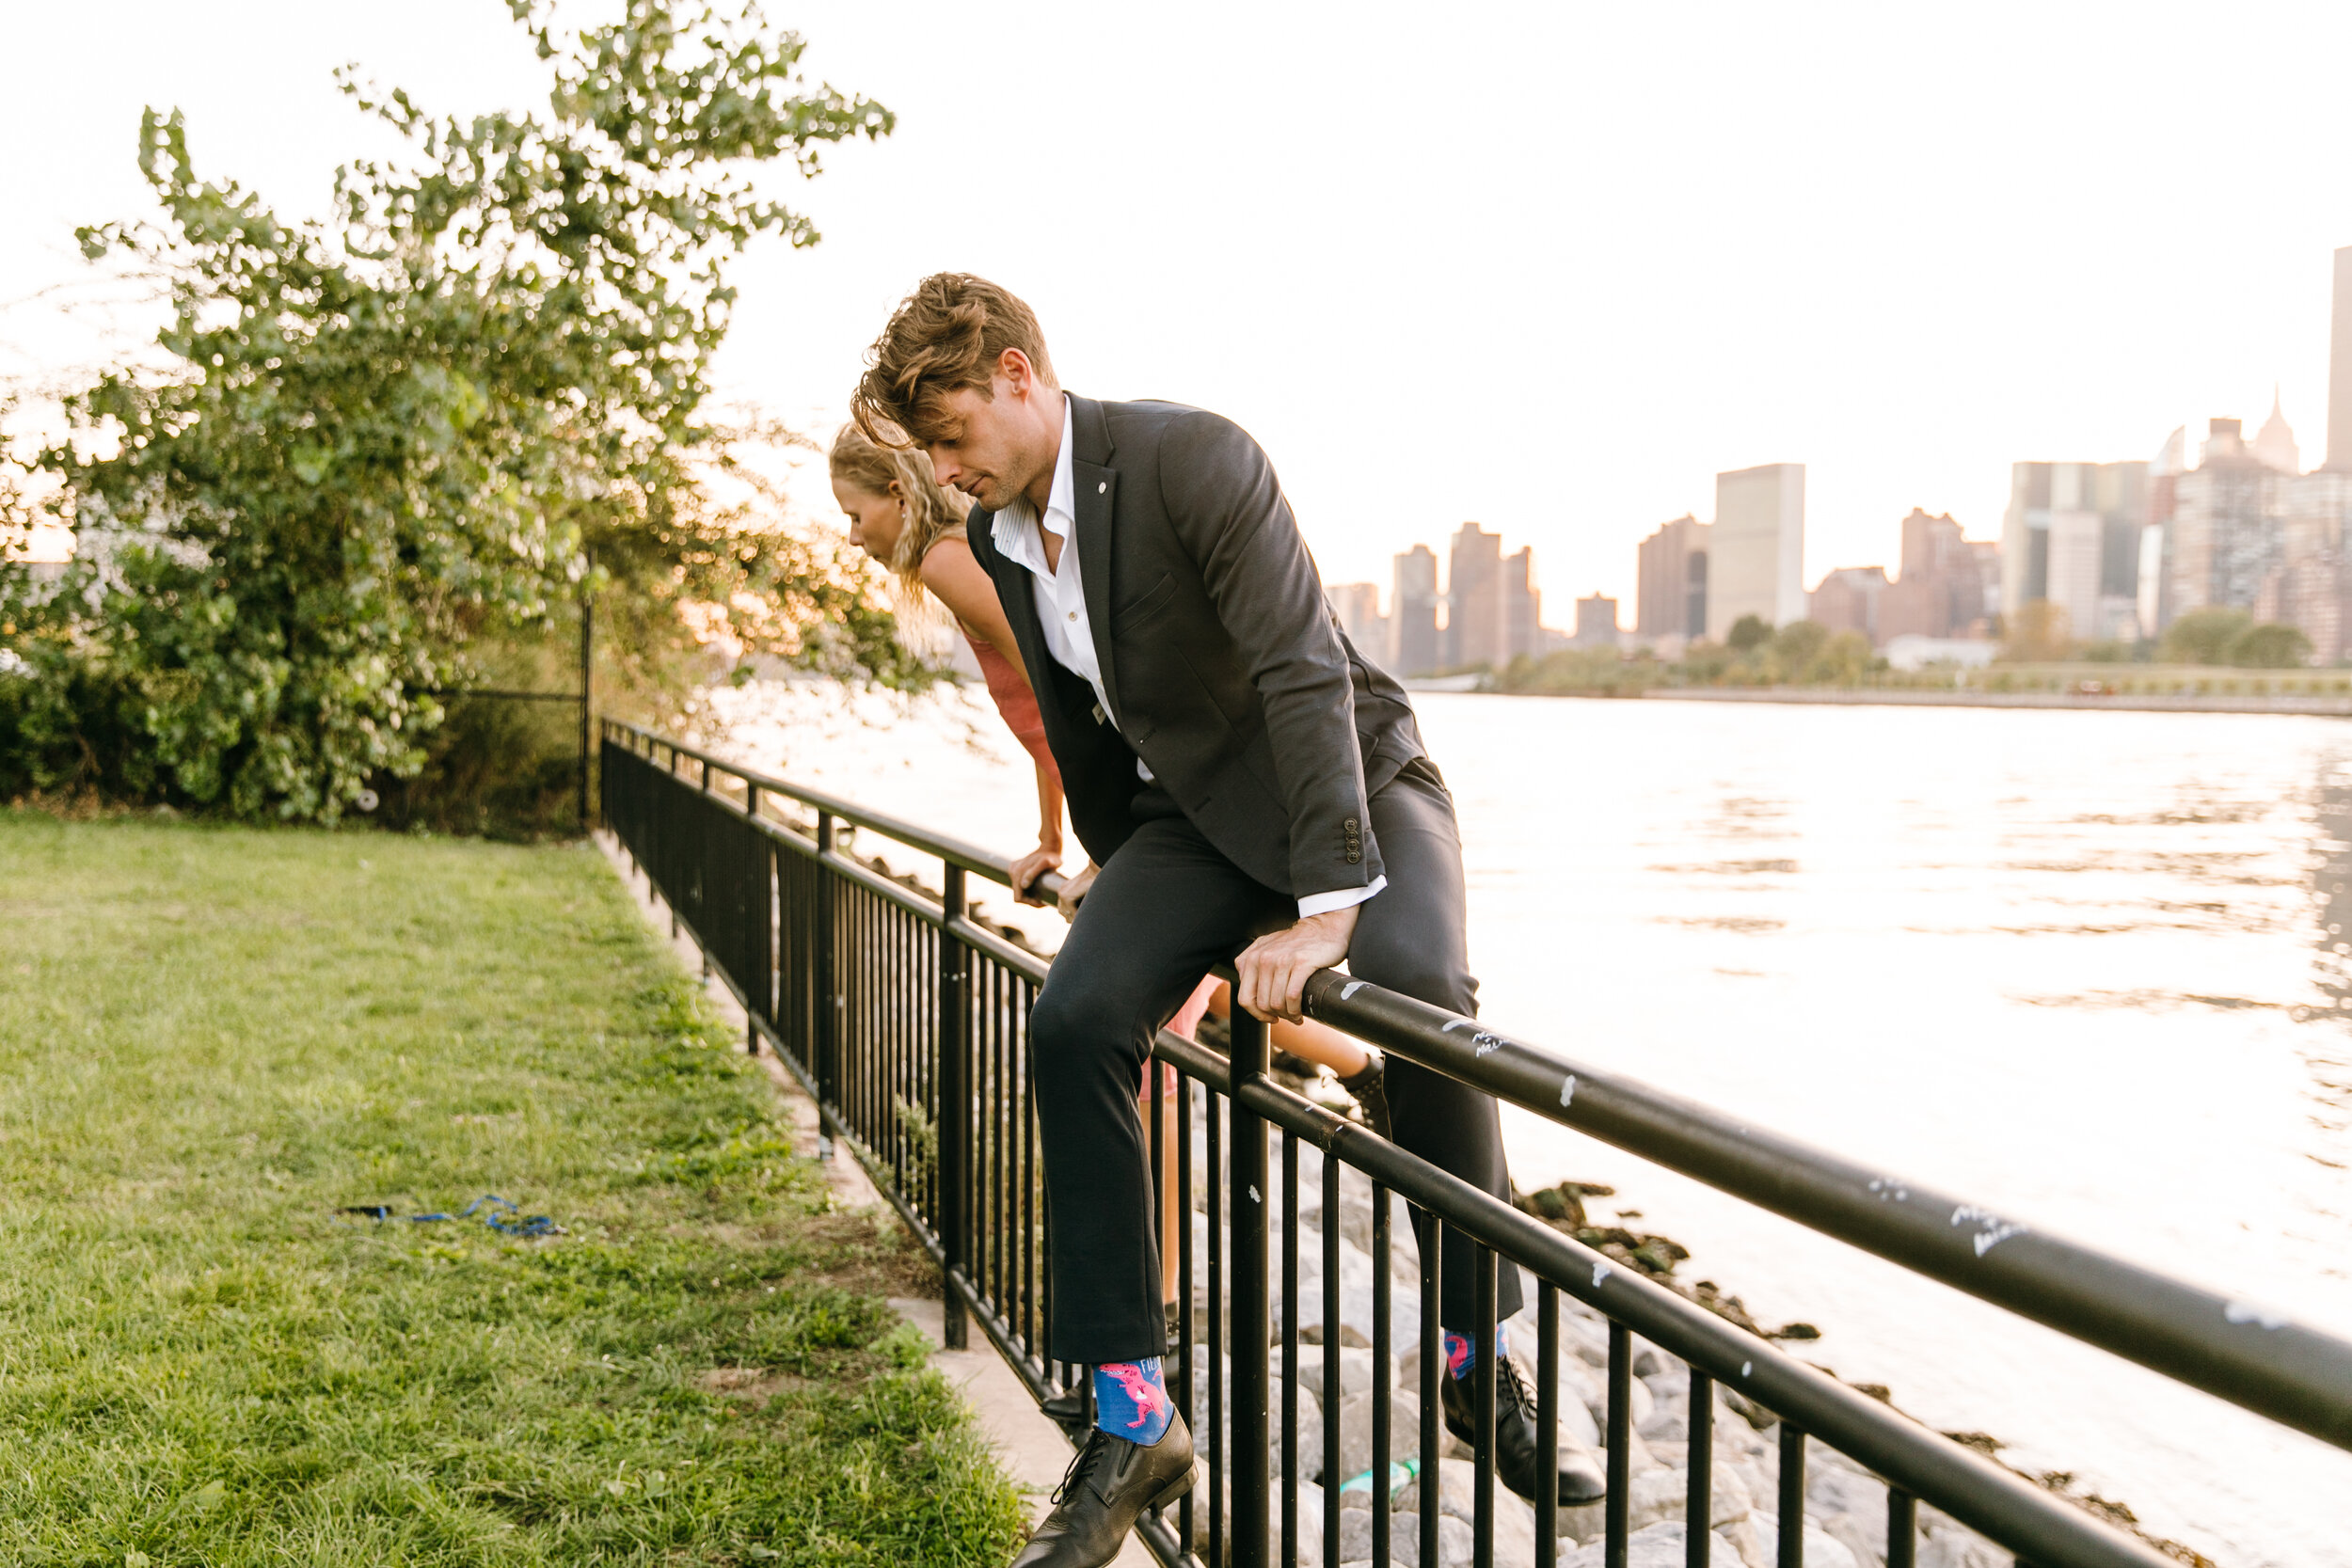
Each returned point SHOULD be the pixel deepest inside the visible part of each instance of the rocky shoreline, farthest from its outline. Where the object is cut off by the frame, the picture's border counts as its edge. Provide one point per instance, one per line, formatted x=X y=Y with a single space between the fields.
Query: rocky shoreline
x=1845 y=1516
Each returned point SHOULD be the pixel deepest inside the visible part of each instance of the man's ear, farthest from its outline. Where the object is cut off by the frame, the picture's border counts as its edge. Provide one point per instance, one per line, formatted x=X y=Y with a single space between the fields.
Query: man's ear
x=1015 y=368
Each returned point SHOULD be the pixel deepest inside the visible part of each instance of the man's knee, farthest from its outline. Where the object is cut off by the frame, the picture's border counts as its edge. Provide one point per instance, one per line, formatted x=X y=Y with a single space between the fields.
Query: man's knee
x=1072 y=1023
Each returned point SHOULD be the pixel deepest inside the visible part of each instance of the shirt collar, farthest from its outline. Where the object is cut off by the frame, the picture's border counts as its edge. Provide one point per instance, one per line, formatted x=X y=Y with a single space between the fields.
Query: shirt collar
x=1014 y=530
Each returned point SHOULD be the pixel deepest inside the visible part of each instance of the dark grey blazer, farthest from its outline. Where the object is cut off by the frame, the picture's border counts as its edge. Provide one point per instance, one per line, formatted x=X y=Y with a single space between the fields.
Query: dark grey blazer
x=1227 y=673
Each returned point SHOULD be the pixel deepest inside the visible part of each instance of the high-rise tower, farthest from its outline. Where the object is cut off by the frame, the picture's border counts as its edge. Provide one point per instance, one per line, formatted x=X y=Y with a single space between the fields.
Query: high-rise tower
x=2340 y=368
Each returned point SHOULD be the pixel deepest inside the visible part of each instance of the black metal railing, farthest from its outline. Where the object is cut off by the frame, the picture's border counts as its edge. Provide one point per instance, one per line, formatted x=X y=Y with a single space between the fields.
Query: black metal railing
x=908 y=1020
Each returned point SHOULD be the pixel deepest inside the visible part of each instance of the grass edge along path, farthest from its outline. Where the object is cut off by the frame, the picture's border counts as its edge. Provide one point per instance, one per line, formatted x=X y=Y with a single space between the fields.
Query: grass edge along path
x=213 y=1039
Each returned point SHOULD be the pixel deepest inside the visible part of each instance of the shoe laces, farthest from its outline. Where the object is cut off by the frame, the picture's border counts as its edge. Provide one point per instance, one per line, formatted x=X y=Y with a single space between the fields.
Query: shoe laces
x=1511 y=1386
x=1096 y=1448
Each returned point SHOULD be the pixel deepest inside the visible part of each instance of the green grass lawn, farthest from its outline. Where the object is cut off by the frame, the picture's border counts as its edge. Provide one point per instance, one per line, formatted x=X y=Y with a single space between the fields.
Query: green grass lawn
x=212 y=1040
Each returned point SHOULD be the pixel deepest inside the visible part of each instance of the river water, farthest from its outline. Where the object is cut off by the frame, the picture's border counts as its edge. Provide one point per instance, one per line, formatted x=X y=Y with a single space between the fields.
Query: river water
x=2086 y=969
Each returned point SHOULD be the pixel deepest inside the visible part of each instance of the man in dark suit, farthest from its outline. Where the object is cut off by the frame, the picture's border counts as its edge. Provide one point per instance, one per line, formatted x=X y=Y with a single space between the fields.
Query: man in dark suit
x=1254 y=790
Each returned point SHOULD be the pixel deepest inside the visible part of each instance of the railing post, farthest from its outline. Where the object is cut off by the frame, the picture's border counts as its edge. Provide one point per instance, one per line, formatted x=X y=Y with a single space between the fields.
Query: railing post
x=1250 y=1324
x=955 y=1111
x=828 y=1002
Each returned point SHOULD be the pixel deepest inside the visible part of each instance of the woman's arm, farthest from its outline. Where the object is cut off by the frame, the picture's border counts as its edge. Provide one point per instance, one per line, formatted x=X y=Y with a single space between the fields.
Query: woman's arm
x=1047 y=855
x=957 y=581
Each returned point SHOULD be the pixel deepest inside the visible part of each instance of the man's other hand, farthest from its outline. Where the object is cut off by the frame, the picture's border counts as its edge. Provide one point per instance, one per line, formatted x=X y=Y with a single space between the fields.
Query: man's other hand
x=1028 y=868
x=1274 y=969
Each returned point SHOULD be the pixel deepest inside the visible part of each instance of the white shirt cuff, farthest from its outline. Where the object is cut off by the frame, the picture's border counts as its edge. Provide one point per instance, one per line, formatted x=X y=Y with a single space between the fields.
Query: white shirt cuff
x=1324 y=903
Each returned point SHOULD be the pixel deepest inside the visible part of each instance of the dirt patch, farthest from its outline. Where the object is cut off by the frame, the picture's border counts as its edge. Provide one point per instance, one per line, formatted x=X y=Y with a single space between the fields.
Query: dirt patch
x=754 y=1386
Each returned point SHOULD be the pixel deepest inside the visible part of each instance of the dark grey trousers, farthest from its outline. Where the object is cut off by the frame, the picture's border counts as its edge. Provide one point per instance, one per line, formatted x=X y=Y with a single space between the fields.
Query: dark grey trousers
x=1165 y=910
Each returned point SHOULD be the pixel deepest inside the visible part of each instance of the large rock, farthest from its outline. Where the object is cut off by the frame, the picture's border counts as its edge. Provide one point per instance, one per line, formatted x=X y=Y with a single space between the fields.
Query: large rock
x=1309 y=1524
x=1822 y=1549
x=1850 y=1505
x=1656 y=1546
x=1309 y=1437
x=1404 y=1538
x=1743 y=1546
x=1355 y=1372
x=1356 y=1431
x=1458 y=1492
x=1658 y=1496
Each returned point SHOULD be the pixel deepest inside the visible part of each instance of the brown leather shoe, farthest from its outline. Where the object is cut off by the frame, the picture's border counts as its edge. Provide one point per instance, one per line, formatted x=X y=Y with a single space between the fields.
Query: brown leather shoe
x=1110 y=1483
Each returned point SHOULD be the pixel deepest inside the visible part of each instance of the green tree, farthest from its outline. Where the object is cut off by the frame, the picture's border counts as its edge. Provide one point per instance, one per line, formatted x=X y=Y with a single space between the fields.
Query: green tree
x=389 y=445
x=2204 y=636
x=2270 y=646
x=1795 y=647
x=2041 y=633
x=1747 y=634
x=1841 y=661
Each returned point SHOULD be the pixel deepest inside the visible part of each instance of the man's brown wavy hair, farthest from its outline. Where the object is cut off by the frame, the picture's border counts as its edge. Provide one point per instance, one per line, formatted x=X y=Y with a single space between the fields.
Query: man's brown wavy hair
x=947 y=334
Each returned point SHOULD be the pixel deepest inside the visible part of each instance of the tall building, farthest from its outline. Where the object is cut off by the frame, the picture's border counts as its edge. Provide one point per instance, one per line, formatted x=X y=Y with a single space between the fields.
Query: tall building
x=1595 y=622
x=1477 y=618
x=2274 y=444
x=1413 y=614
x=2098 y=510
x=1755 y=553
x=1522 y=607
x=1941 y=588
x=2246 y=532
x=1670 y=600
x=1848 y=599
x=1358 y=605
x=2226 y=531
x=2340 y=368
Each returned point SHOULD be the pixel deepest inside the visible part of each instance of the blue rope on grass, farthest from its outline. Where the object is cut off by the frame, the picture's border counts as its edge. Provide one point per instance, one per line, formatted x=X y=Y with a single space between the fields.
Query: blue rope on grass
x=512 y=1223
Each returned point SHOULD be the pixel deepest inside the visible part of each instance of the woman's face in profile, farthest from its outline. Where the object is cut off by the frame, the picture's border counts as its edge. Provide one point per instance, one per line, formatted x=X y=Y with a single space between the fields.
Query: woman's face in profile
x=875 y=521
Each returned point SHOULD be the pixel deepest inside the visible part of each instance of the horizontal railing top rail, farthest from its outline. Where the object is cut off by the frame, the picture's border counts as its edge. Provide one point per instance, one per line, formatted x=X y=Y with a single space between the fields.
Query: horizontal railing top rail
x=2249 y=1355
x=951 y=851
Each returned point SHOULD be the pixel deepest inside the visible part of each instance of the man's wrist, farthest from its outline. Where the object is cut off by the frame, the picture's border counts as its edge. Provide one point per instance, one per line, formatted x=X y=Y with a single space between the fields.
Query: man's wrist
x=1343 y=898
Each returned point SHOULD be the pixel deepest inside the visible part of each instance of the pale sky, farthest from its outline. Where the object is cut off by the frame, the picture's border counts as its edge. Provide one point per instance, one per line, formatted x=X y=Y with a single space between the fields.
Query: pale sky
x=1548 y=267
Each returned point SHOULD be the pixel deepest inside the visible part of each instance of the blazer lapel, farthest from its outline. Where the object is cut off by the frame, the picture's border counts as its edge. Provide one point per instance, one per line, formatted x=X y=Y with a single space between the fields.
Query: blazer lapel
x=1097 y=488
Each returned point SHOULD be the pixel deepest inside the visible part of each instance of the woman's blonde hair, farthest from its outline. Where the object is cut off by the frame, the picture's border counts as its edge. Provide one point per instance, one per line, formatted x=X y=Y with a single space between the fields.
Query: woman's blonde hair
x=932 y=513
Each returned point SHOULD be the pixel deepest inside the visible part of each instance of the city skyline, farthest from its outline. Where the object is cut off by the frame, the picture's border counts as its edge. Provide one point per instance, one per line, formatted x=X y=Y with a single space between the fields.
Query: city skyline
x=1906 y=347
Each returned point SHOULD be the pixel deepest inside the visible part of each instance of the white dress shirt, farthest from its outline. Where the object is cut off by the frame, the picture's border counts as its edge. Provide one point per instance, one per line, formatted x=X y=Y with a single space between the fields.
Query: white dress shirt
x=1061 y=611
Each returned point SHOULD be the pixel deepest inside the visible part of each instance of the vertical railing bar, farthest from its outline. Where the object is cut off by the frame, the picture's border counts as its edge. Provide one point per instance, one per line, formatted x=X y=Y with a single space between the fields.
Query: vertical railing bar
x=828 y=1021
x=954 y=1108
x=1184 y=1324
x=1482 y=1476
x=1616 y=1517
x=1331 y=1396
x=1546 y=1424
x=1246 y=1453
x=1218 y=1200
x=1431 y=1486
x=1290 y=1348
x=999 y=1191
x=1698 y=1510
x=1383 y=1343
x=1155 y=1138
x=1031 y=1239
x=1791 y=1496
x=1902 y=1529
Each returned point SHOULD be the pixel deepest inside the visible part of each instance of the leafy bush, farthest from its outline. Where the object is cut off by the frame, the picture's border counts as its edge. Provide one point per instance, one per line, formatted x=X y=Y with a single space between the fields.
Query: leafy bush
x=388 y=452
x=2270 y=646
